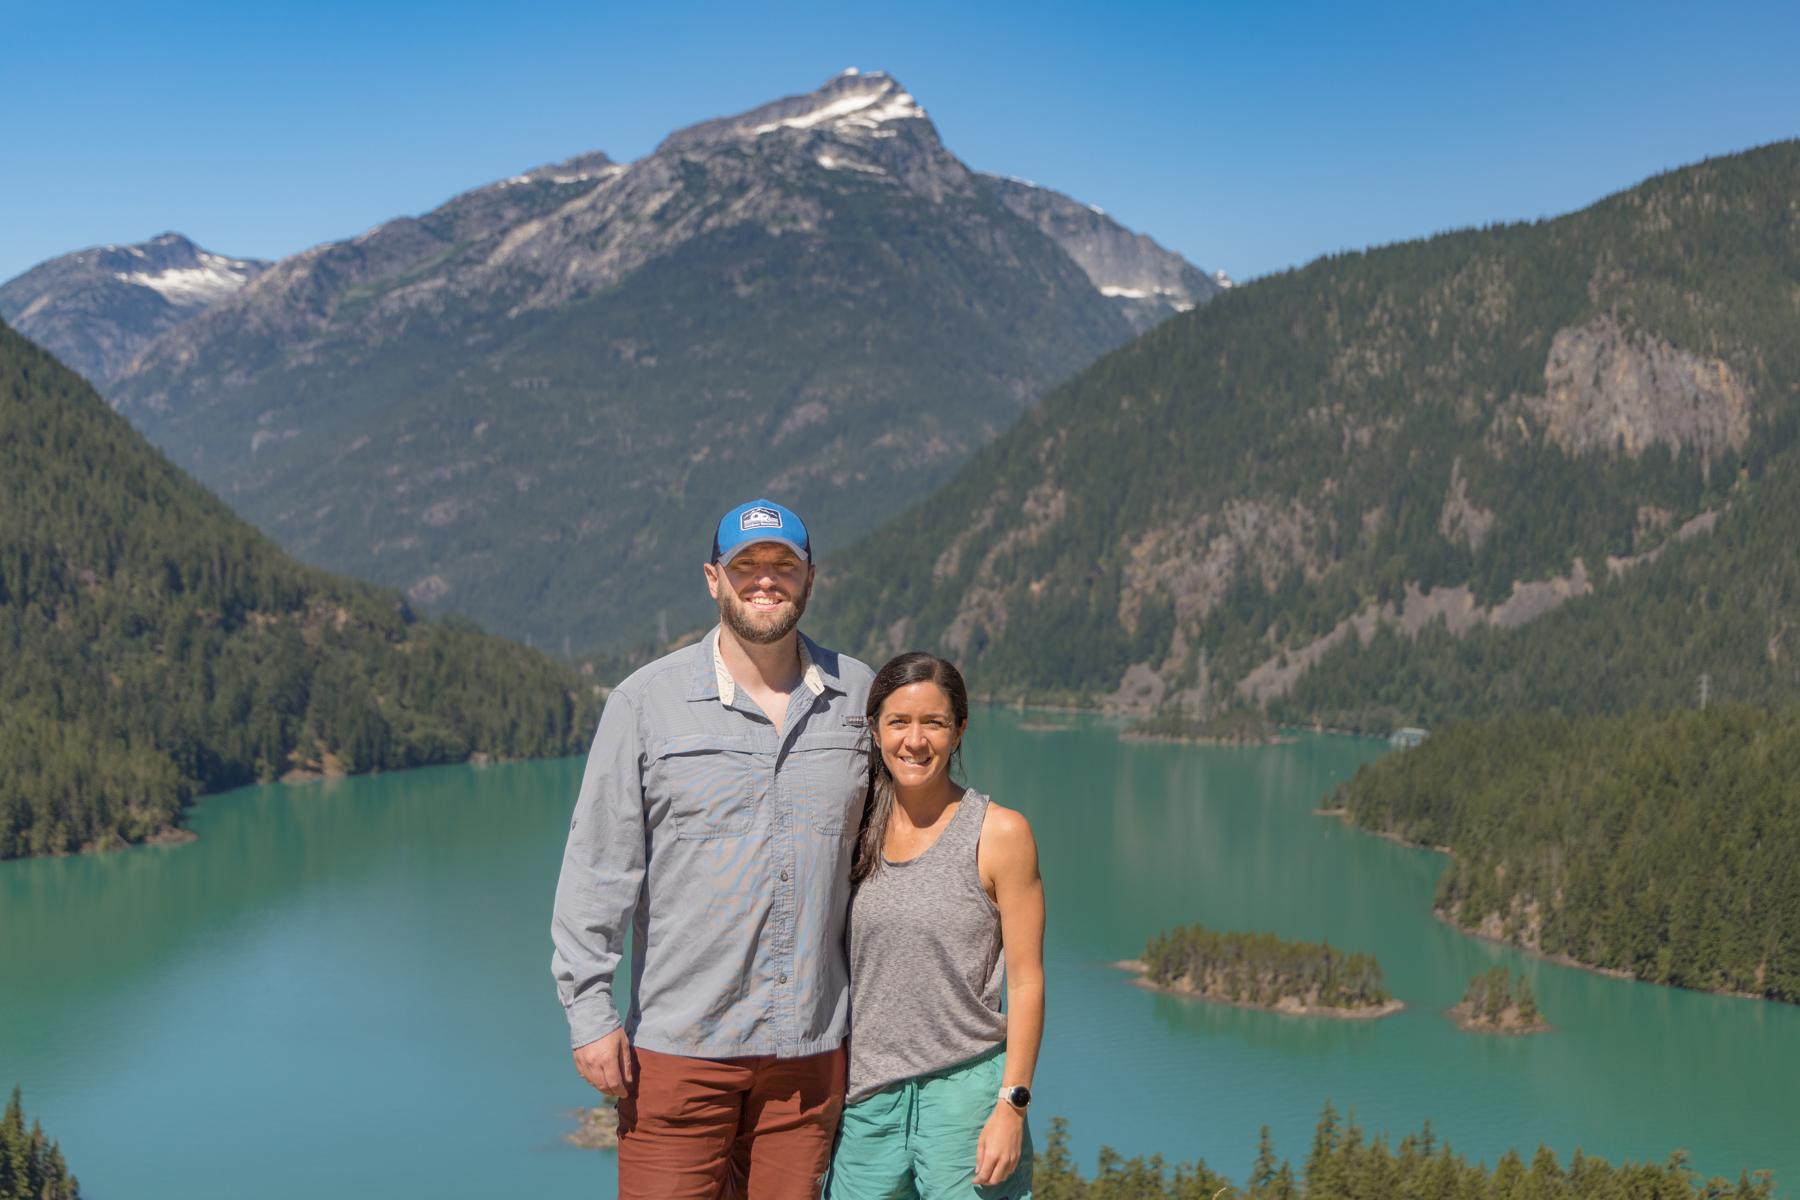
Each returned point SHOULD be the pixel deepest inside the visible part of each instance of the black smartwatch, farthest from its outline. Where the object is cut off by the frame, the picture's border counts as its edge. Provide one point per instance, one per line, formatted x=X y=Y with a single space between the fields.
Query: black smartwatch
x=1018 y=1096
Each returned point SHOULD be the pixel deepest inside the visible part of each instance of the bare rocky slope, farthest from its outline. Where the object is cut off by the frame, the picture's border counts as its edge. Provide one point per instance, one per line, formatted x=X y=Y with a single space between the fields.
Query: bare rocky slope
x=1429 y=444
x=1147 y=283
x=529 y=404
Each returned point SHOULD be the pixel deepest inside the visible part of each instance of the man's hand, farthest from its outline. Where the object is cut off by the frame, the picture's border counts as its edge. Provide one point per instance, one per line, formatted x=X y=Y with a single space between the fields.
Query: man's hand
x=607 y=1064
x=997 y=1152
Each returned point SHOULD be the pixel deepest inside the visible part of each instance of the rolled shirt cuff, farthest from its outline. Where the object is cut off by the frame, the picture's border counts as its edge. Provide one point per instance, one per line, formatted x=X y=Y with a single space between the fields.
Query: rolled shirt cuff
x=591 y=1018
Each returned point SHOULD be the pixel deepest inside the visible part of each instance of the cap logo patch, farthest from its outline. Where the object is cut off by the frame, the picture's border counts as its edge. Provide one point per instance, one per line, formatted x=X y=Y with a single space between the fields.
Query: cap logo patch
x=759 y=518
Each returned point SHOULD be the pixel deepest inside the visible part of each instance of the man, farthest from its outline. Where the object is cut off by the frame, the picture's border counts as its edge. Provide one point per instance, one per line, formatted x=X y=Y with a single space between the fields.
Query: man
x=715 y=822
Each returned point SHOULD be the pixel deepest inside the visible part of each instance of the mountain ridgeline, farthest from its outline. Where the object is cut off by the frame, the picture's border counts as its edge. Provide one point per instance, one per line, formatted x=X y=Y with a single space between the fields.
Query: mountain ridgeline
x=1353 y=491
x=530 y=404
x=154 y=646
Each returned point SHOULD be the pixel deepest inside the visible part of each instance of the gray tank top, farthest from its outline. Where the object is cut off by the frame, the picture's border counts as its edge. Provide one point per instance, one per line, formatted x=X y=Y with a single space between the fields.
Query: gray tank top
x=925 y=962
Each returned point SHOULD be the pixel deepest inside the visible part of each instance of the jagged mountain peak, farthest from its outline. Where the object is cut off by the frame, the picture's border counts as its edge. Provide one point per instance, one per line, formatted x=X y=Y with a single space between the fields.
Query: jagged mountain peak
x=96 y=308
x=854 y=104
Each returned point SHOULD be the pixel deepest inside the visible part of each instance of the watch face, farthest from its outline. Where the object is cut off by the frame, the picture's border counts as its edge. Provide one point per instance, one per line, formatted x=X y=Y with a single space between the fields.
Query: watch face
x=1021 y=1096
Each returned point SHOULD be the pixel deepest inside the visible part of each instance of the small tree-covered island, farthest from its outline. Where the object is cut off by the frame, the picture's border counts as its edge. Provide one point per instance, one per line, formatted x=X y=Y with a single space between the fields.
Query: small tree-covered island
x=1259 y=970
x=1494 y=1003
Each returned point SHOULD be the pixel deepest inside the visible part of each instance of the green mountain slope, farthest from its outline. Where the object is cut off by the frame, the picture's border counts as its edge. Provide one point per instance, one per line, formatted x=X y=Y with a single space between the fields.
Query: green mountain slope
x=1452 y=436
x=153 y=646
x=530 y=405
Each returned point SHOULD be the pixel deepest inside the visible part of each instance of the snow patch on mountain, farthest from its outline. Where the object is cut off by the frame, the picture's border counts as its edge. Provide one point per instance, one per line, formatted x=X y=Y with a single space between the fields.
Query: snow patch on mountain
x=216 y=276
x=545 y=176
x=859 y=110
x=833 y=163
x=1177 y=298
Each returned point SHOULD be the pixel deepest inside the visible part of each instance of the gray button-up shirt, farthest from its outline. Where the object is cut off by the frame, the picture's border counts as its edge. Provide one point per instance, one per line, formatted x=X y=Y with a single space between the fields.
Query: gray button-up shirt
x=724 y=848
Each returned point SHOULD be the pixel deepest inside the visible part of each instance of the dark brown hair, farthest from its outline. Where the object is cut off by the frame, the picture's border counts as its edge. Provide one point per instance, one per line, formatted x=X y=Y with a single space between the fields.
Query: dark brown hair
x=903 y=670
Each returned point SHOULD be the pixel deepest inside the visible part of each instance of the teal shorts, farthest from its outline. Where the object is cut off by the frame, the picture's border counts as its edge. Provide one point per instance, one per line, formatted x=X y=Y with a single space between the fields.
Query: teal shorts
x=915 y=1140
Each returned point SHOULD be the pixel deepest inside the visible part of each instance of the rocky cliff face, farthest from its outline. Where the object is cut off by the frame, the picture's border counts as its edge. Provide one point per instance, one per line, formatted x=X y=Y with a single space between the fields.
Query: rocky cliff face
x=97 y=308
x=1609 y=390
x=528 y=404
x=1147 y=283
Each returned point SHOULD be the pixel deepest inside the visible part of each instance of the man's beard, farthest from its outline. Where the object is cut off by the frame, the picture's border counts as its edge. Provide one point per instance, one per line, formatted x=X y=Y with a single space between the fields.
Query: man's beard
x=755 y=628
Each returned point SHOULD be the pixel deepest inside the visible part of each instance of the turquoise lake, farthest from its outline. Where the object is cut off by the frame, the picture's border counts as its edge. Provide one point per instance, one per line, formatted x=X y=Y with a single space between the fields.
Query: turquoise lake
x=343 y=989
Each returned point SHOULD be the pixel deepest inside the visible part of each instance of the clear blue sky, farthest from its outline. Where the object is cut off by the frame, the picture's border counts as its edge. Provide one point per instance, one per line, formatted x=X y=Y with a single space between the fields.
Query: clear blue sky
x=1247 y=136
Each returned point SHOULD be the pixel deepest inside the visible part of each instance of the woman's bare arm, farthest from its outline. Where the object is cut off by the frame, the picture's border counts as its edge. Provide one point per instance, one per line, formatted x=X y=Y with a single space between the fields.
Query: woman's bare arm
x=1008 y=862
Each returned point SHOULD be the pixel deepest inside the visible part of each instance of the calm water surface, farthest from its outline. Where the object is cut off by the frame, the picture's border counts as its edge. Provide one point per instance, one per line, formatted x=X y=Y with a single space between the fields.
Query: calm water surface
x=343 y=989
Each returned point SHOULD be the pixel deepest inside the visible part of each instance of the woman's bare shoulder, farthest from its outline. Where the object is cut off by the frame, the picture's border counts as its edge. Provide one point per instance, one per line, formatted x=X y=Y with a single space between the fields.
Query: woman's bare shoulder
x=1006 y=836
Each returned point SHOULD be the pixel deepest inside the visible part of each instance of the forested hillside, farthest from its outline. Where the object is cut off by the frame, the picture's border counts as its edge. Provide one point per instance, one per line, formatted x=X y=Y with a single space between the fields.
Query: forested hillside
x=1662 y=846
x=1449 y=437
x=153 y=646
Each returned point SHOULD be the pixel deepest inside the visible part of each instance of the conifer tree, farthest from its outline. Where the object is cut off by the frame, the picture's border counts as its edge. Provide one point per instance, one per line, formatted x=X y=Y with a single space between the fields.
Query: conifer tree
x=1528 y=1009
x=1263 y=1172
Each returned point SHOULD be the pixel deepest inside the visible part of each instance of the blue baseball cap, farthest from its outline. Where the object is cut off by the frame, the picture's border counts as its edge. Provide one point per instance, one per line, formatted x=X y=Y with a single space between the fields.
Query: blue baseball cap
x=760 y=521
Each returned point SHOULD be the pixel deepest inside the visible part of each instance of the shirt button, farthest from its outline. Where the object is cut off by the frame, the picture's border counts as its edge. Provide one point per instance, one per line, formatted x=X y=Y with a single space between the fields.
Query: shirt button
x=784 y=877
x=784 y=977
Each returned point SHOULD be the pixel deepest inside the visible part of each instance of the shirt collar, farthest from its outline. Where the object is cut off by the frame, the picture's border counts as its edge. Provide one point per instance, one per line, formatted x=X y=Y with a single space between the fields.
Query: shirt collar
x=810 y=674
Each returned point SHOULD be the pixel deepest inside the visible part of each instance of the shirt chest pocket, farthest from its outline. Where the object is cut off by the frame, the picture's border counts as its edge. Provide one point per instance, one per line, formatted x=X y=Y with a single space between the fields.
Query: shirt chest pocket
x=711 y=784
x=833 y=770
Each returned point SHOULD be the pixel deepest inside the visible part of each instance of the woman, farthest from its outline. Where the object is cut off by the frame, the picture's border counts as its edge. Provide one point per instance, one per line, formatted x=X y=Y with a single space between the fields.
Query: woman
x=946 y=883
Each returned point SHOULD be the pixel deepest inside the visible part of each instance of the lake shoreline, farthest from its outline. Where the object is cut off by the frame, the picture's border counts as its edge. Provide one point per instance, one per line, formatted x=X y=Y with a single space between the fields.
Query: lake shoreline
x=1178 y=739
x=595 y=1128
x=1559 y=959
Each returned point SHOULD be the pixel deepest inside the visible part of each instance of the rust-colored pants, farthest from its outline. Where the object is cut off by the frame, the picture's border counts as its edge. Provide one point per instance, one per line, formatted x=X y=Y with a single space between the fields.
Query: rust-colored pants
x=703 y=1128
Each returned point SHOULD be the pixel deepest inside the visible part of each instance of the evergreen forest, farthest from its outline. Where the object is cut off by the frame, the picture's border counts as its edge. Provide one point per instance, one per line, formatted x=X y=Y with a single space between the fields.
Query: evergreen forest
x=31 y=1165
x=1658 y=845
x=1345 y=1163
x=154 y=647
